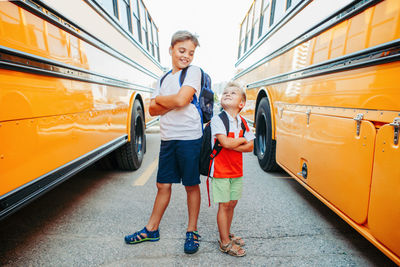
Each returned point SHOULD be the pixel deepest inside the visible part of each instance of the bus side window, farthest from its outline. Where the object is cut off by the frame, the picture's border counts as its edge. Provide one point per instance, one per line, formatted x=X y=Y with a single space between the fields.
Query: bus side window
x=110 y=6
x=277 y=11
x=136 y=21
x=125 y=14
x=264 y=19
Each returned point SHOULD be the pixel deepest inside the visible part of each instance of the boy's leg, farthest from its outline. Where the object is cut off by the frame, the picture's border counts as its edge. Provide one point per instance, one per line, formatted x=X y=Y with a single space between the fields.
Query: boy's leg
x=188 y=154
x=224 y=209
x=193 y=202
x=232 y=205
x=160 y=205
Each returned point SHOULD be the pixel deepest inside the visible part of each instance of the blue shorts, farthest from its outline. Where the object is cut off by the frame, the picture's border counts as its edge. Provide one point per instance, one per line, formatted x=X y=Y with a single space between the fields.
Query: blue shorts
x=179 y=162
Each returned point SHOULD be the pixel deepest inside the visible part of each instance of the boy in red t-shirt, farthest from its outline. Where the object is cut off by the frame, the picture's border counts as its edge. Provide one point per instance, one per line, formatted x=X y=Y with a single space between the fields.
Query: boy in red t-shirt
x=227 y=168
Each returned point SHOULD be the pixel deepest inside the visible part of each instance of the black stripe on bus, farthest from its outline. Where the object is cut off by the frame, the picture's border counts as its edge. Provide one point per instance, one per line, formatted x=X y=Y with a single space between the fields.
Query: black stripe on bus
x=385 y=53
x=21 y=61
x=19 y=197
x=344 y=14
x=40 y=9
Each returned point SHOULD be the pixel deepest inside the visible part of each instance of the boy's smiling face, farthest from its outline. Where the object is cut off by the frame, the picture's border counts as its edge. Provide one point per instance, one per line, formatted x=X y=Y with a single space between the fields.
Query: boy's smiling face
x=232 y=99
x=182 y=54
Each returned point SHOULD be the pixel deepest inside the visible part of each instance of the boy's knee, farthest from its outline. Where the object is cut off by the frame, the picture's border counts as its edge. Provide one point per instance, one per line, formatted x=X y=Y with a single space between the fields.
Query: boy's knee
x=225 y=205
x=192 y=188
x=164 y=187
x=233 y=203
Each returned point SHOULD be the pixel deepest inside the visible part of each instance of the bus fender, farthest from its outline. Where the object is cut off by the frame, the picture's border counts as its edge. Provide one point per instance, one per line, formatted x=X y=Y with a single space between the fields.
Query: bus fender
x=134 y=96
x=263 y=92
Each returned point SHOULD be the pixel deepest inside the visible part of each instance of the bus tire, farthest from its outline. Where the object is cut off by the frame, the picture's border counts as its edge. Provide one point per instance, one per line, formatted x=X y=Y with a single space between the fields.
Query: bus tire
x=107 y=163
x=264 y=144
x=130 y=156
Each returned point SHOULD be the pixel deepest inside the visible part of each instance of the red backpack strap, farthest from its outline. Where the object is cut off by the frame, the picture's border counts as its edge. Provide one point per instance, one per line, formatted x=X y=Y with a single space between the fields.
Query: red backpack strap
x=245 y=127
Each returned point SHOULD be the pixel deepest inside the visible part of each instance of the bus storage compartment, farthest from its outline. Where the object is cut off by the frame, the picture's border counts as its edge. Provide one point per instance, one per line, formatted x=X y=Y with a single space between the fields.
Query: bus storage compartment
x=338 y=153
x=290 y=128
x=384 y=209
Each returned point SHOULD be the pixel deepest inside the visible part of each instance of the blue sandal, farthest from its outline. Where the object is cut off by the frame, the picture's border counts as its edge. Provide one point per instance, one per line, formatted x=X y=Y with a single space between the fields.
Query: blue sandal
x=142 y=235
x=192 y=242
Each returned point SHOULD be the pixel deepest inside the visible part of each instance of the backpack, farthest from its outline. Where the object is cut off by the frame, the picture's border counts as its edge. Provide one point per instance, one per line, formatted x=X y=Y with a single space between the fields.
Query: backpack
x=205 y=103
x=208 y=152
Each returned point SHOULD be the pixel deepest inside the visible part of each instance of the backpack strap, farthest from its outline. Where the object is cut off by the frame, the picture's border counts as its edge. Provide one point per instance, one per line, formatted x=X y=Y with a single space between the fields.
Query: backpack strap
x=224 y=118
x=244 y=125
x=183 y=76
x=163 y=77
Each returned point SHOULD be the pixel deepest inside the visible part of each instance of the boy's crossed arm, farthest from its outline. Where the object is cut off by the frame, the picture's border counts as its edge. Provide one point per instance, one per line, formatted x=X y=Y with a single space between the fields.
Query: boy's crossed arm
x=161 y=104
x=229 y=142
x=238 y=144
x=179 y=100
x=248 y=147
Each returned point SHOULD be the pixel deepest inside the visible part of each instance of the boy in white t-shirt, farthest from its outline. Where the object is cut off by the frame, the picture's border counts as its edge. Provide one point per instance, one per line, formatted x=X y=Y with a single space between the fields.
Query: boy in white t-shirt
x=227 y=168
x=181 y=134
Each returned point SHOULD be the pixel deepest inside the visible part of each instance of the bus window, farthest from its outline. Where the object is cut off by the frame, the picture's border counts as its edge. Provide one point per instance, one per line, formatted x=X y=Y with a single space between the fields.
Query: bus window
x=136 y=21
x=241 y=37
x=246 y=34
x=155 y=40
x=291 y=3
x=143 y=22
x=110 y=6
x=277 y=11
x=125 y=14
x=264 y=20
x=151 y=37
x=250 y=32
x=257 y=14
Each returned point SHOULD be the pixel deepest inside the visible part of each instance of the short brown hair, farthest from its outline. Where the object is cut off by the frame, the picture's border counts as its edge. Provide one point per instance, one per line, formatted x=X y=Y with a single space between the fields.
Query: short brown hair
x=181 y=36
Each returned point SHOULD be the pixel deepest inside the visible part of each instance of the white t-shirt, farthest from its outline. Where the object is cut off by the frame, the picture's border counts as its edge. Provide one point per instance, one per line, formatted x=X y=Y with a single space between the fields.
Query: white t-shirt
x=181 y=123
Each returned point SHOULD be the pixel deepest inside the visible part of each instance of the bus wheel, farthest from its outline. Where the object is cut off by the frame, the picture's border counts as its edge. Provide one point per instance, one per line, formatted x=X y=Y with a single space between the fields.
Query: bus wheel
x=130 y=155
x=264 y=144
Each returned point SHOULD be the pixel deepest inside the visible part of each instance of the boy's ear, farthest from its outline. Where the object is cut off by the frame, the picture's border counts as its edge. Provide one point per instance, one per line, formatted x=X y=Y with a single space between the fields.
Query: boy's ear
x=242 y=104
x=170 y=50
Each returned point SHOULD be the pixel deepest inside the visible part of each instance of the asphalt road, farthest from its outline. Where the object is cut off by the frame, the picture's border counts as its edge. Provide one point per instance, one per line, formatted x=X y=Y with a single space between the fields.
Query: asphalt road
x=83 y=221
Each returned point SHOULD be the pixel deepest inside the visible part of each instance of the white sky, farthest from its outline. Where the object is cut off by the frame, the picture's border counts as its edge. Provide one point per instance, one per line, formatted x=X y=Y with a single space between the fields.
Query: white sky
x=216 y=22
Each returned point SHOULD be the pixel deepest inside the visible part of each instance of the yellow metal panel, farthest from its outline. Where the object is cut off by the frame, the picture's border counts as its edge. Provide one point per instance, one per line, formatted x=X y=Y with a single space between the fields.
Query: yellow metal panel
x=384 y=211
x=290 y=129
x=339 y=162
x=33 y=147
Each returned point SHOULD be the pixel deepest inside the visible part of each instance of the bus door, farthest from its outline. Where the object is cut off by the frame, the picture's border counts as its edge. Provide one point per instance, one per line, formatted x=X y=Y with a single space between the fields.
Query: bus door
x=334 y=156
x=384 y=210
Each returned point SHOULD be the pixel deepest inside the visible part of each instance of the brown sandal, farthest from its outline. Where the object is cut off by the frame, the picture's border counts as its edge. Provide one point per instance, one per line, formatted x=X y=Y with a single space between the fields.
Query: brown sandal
x=237 y=240
x=232 y=249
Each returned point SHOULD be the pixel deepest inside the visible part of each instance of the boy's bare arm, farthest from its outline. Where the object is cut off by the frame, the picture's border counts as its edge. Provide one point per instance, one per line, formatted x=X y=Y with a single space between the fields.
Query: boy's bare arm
x=229 y=142
x=248 y=147
x=156 y=109
x=181 y=99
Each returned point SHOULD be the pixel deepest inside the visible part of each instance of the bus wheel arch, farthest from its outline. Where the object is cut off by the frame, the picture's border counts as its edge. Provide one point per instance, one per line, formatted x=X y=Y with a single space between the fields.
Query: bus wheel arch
x=265 y=144
x=130 y=155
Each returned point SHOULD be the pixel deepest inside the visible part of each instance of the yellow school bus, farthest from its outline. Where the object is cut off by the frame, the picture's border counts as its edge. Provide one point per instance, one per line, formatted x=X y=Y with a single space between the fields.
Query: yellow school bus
x=75 y=82
x=323 y=91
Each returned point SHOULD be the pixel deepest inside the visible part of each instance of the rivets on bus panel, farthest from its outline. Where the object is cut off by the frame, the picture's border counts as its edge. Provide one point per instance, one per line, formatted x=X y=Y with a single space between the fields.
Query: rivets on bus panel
x=1 y=156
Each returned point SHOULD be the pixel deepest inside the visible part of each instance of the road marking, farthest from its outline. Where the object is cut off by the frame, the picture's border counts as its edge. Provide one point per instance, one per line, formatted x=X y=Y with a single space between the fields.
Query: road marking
x=142 y=180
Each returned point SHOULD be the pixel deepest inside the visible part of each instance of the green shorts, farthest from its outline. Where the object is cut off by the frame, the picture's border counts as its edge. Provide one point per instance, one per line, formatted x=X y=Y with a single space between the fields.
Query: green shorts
x=226 y=189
